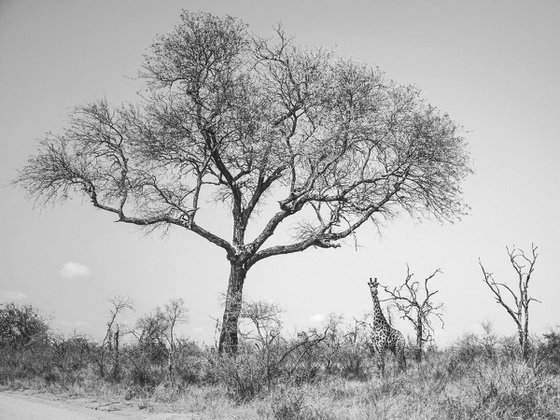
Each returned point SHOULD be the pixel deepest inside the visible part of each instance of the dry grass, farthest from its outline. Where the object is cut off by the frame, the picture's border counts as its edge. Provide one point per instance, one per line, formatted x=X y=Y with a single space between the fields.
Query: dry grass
x=487 y=389
x=477 y=378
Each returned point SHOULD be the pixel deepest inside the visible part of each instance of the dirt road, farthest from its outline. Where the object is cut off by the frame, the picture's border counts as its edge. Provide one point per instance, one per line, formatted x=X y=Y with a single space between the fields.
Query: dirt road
x=26 y=407
x=15 y=406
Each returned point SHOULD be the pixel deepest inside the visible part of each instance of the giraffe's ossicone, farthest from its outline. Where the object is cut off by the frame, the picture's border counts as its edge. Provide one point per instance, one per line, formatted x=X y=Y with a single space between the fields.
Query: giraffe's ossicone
x=383 y=336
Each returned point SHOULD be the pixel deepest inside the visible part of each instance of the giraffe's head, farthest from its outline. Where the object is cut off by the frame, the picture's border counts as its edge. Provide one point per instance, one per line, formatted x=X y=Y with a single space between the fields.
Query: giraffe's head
x=373 y=286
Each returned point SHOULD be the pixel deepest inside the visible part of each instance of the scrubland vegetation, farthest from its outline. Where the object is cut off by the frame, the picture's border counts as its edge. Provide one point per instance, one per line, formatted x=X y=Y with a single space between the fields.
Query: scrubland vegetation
x=319 y=374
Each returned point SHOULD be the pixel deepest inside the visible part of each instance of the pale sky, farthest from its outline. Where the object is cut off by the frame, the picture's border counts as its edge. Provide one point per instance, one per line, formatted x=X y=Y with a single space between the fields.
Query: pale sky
x=494 y=66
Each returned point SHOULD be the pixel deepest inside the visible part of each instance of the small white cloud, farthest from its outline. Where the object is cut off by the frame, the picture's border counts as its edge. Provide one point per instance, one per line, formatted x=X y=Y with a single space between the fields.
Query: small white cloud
x=11 y=296
x=72 y=270
x=317 y=318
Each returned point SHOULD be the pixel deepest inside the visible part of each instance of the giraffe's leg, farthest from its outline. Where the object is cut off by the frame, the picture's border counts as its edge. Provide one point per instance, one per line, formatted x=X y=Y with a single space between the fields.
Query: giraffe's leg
x=380 y=359
x=399 y=354
x=403 y=359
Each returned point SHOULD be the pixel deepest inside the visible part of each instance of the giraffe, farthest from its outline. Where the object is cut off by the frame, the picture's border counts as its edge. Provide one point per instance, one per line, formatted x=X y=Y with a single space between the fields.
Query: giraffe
x=383 y=336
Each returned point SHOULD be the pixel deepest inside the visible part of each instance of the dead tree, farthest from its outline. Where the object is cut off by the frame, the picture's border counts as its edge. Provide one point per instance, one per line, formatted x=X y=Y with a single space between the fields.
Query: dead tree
x=173 y=314
x=414 y=301
x=524 y=265
x=112 y=336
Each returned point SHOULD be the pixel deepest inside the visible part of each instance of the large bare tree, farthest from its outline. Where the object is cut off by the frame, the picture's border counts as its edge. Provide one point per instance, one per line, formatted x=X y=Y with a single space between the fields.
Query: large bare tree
x=517 y=304
x=233 y=118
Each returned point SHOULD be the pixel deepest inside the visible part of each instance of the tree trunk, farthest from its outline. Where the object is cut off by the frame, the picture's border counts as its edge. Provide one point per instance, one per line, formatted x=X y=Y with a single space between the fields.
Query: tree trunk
x=228 y=336
x=524 y=343
x=526 y=332
x=419 y=338
x=116 y=366
x=525 y=347
x=523 y=333
x=170 y=356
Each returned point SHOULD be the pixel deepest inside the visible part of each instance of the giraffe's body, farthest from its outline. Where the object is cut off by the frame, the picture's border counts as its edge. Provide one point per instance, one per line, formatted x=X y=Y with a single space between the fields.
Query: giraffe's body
x=384 y=337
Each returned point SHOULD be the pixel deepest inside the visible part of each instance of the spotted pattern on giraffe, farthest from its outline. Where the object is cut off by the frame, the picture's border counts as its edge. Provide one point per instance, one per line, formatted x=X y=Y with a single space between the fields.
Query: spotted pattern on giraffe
x=383 y=336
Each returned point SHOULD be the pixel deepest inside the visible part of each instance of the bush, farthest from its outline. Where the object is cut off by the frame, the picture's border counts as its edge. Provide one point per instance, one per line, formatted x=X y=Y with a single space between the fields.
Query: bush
x=548 y=352
x=21 y=326
x=243 y=375
x=505 y=391
x=288 y=403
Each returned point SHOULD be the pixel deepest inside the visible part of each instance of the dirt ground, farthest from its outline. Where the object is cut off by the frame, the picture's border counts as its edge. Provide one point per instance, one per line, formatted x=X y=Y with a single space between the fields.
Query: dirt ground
x=30 y=406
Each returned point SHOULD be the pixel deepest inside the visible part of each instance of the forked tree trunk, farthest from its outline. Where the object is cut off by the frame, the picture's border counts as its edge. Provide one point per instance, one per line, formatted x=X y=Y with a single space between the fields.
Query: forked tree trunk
x=228 y=336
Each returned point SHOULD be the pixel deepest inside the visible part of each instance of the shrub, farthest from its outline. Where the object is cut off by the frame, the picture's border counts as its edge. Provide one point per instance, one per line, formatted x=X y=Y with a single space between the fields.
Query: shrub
x=21 y=326
x=242 y=375
x=512 y=390
x=548 y=352
x=288 y=403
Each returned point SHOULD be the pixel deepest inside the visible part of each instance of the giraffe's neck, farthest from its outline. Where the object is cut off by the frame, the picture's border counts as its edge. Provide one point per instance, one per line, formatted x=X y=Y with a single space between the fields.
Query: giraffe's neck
x=378 y=317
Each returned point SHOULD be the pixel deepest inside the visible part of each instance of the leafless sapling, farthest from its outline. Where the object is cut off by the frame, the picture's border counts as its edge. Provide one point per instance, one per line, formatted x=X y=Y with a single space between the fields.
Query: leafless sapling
x=260 y=323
